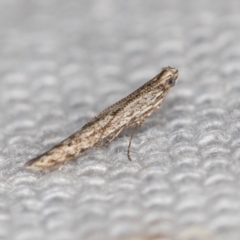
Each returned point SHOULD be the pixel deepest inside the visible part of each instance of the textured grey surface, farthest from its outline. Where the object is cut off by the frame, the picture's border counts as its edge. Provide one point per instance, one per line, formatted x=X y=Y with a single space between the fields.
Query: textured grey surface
x=61 y=62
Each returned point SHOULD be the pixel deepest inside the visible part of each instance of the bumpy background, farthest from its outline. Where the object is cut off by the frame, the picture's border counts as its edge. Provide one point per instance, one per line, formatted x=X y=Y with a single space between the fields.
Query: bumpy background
x=61 y=62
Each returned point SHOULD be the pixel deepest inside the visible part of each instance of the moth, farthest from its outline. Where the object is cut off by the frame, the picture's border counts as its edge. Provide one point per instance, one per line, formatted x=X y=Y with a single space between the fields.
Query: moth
x=131 y=111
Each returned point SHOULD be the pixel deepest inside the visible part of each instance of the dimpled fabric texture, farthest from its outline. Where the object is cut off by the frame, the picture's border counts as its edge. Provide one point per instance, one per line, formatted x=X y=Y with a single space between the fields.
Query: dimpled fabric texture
x=61 y=62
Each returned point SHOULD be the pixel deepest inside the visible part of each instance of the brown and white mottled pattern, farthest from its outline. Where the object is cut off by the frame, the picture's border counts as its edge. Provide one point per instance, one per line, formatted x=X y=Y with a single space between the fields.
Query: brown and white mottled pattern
x=131 y=111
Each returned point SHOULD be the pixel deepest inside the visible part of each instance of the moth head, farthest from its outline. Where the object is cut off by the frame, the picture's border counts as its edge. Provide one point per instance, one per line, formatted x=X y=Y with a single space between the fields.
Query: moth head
x=169 y=77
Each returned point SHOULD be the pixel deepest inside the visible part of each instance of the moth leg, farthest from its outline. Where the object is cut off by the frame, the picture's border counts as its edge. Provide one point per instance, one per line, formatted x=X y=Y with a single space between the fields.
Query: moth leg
x=130 y=141
x=114 y=135
x=61 y=167
x=136 y=125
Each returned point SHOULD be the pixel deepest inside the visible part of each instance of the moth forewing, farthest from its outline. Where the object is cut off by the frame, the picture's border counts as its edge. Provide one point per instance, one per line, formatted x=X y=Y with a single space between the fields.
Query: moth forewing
x=131 y=111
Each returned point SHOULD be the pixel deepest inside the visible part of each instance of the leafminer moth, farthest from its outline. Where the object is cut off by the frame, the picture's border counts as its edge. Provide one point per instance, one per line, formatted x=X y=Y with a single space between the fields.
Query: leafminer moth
x=131 y=111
